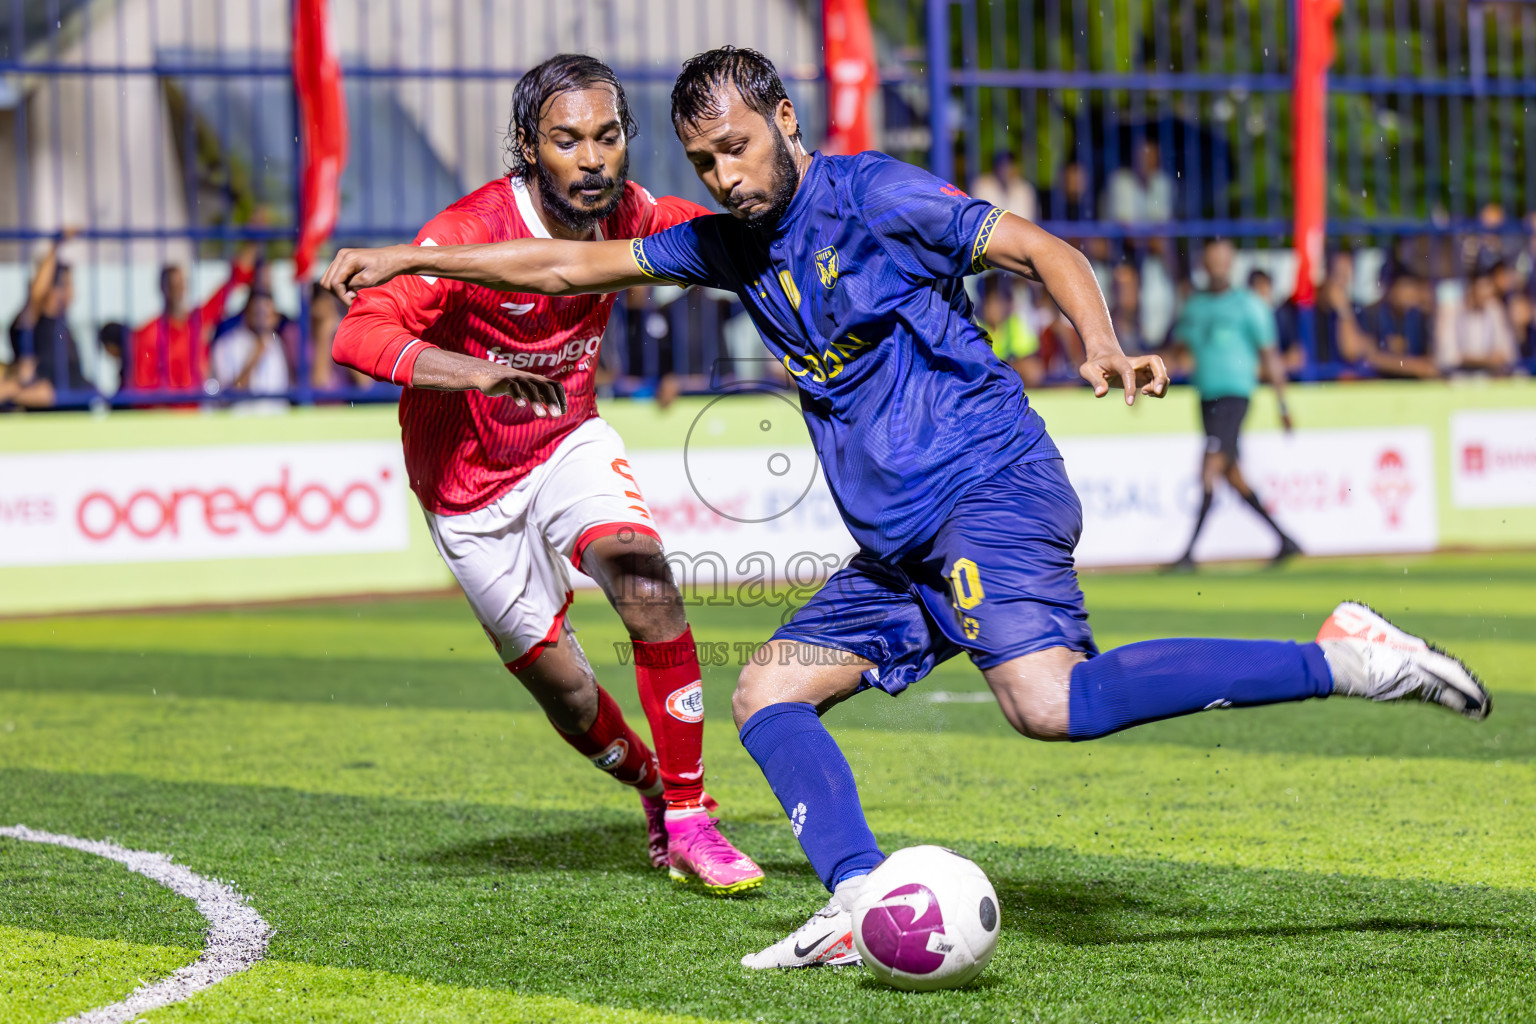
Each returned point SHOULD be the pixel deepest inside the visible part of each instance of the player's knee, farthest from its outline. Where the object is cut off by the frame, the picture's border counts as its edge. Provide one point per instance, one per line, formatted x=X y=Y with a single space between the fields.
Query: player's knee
x=1048 y=723
x=746 y=699
x=1035 y=692
x=632 y=570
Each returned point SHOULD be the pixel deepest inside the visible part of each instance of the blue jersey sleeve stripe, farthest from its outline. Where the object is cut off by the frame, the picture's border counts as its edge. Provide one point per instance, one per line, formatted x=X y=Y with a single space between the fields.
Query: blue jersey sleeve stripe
x=983 y=239
x=642 y=264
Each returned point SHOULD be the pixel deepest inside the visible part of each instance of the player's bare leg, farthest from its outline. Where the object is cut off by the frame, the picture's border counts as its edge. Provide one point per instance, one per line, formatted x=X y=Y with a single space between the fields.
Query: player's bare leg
x=1034 y=692
x=777 y=703
x=631 y=568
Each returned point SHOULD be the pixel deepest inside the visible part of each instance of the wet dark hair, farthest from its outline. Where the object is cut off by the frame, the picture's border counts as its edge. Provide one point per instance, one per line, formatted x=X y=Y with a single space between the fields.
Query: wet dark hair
x=695 y=94
x=564 y=72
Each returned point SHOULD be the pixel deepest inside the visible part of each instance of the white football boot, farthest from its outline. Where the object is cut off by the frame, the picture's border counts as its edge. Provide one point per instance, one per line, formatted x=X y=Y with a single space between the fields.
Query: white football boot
x=825 y=940
x=1370 y=657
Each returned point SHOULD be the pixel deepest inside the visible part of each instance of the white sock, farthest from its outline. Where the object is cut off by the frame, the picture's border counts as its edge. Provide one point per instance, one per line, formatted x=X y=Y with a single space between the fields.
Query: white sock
x=1346 y=663
x=848 y=890
x=679 y=815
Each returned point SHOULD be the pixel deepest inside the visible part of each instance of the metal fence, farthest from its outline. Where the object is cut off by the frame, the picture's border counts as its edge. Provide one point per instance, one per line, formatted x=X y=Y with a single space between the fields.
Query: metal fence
x=165 y=130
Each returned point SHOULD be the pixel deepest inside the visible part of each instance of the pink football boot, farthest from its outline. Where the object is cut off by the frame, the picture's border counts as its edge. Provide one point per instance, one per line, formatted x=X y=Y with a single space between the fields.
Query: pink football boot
x=699 y=853
x=656 y=824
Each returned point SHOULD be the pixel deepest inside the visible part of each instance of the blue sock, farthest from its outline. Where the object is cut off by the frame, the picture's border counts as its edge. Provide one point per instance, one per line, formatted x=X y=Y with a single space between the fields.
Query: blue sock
x=1162 y=678
x=813 y=782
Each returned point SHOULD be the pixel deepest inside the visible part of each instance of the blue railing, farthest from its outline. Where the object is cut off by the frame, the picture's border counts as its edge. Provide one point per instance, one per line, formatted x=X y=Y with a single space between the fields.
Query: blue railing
x=171 y=137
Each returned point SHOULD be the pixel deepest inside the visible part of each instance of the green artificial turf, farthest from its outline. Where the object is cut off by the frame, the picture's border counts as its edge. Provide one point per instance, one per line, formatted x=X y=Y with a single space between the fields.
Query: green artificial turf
x=427 y=849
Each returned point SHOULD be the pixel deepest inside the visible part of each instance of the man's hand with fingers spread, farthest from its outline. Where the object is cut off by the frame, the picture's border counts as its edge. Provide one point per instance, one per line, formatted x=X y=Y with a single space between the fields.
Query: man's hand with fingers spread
x=352 y=270
x=442 y=370
x=546 y=396
x=1135 y=374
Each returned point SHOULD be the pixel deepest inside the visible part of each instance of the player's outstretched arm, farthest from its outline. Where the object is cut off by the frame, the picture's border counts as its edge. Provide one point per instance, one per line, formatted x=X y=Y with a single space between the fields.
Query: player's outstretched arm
x=1024 y=249
x=537 y=265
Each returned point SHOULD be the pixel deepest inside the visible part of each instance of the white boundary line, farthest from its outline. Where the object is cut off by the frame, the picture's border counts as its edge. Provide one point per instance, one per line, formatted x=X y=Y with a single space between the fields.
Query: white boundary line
x=237 y=935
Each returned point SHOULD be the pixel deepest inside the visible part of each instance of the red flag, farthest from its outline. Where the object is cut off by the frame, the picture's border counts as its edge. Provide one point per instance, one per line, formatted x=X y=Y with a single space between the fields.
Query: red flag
x=1314 y=55
x=322 y=126
x=850 y=53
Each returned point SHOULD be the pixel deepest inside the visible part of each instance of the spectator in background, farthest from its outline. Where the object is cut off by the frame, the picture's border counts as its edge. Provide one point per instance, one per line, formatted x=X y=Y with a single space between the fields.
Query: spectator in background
x=1013 y=337
x=325 y=374
x=1005 y=187
x=1494 y=244
x=1227 y=330
x=113 y=337
x=1474 y=335
x=1061 y=349
x=43 y=348
x=1522 y=319
x=1141 y=193
x=1397 y=328
x=1138 y=195
x=1527 y=261
x=1341 y=344
x=250 y=358
x=649 y=348
x=1262 y=285
x=1068 y=198
x=1125 y=310
x=170 y=353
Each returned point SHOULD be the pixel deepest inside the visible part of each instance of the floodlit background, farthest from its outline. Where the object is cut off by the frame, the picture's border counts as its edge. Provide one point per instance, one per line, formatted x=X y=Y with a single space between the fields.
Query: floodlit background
x=225 y=633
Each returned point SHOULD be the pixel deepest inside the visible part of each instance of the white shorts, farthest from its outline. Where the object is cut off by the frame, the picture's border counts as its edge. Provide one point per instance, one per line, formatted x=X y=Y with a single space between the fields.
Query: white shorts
x=511 y=557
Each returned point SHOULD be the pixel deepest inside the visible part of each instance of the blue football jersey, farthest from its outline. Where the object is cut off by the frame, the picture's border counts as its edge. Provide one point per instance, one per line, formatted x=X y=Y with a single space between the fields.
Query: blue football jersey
x=857 y=290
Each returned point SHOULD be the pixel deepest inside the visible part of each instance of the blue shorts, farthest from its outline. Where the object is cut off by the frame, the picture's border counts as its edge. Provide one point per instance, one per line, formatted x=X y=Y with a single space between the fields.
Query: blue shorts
x=997 y=580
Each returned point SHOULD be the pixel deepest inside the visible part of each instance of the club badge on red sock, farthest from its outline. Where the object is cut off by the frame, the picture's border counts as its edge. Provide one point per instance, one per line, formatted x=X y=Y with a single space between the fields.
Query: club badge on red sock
x=612 y=746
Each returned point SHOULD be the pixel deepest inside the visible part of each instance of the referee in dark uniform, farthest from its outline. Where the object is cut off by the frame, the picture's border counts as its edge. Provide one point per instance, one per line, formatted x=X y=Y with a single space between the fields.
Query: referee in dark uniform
x=1228 y=330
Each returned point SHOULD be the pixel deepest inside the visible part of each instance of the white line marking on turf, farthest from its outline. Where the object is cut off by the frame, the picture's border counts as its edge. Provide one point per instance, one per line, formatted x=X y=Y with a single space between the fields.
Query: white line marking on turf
x=237 y=935
x=964 y=697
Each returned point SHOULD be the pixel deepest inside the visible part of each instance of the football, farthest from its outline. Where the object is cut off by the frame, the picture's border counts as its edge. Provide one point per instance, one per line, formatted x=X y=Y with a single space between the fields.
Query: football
x=926 y=919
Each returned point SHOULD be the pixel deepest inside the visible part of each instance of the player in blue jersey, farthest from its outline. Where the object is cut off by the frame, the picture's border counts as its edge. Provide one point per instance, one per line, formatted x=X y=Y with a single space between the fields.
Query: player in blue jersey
x=851 y=269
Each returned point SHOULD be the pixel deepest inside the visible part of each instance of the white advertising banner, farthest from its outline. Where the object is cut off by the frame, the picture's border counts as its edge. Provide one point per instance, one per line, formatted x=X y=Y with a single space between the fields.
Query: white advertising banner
x=744 y=513
x=186 y=504
x=725 y=513
x=1493 y=458
x=748 y=512
x=1336 y=491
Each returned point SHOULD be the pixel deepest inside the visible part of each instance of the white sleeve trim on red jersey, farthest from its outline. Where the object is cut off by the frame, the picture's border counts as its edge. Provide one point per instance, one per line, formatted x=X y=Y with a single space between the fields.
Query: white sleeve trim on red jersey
x=403 y=351
x=424 y=277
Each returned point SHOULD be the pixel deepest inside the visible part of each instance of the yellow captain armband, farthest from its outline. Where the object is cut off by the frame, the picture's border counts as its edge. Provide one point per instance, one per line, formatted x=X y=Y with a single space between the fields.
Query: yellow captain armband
x=983 y=239
x=637 y=252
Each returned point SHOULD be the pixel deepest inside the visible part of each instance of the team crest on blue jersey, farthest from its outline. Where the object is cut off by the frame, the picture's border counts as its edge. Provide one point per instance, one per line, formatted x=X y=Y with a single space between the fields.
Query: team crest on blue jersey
x=826 y=266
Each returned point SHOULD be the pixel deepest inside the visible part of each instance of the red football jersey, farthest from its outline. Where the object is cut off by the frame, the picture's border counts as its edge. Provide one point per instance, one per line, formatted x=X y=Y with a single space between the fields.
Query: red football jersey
x=464 y=450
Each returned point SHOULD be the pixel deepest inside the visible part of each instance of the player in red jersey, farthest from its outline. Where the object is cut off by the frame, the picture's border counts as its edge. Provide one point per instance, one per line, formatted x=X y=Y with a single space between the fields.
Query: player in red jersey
x=517 y=473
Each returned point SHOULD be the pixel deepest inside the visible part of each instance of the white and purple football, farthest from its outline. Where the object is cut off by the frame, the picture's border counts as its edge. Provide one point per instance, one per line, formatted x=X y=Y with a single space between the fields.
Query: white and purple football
x=925 y=919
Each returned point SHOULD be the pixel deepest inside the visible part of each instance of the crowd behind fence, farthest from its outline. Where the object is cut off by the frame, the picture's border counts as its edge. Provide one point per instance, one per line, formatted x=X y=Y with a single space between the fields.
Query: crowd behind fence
x=148 y=165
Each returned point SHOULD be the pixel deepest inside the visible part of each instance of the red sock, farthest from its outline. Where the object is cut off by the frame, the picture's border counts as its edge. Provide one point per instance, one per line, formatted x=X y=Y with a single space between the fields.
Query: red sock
x=615 y=748
x=668 y=676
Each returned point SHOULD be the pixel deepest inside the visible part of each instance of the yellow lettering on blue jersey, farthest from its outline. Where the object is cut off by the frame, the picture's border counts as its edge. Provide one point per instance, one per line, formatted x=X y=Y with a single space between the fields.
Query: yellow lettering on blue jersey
x=790 y=291
x=965 y=581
